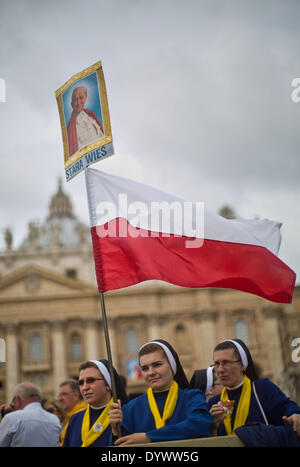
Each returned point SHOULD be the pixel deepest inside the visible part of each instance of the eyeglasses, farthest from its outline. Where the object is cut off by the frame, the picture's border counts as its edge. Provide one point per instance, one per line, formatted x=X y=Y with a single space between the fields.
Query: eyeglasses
x=89 y=381
x=225 y=363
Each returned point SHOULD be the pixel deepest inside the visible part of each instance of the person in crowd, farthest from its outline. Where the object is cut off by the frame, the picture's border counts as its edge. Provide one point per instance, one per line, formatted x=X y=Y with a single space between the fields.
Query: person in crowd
x=246 y=399
x=91 y=427
x=207 y=381
x=53 y=406
x=71 y=402
x=169 y=410
x=29 y=425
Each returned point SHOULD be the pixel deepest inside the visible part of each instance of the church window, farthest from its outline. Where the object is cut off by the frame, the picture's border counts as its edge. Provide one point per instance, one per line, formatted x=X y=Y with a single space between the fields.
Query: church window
x=241 y=331
x=181 y=338
x=76 y=347
x=131 y=341
x=36 y=348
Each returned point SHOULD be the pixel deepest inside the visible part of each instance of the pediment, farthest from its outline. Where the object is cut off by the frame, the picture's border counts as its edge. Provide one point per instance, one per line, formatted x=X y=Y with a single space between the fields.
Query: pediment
x=34 y=281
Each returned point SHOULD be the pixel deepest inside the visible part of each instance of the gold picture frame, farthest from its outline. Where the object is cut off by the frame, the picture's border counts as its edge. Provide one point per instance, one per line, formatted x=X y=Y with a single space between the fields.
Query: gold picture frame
x=84 y=118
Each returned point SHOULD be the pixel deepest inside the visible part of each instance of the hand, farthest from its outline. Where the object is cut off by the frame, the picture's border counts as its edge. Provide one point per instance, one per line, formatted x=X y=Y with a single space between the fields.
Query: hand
x=135 y=438
x=115 y=416
x=217 y=411
x=294 y=421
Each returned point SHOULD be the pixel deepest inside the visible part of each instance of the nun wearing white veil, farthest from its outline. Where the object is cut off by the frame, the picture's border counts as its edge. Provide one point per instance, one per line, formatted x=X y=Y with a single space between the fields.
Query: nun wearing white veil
x=169 y=410
x=91 y=427
x=254 y=400
x=207 y=381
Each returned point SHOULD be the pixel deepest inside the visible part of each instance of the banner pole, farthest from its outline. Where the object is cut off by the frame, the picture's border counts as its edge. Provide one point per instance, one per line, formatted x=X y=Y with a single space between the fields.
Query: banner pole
x=109 y=356
x=104 y=318
x=108 y=349
x=105 y=327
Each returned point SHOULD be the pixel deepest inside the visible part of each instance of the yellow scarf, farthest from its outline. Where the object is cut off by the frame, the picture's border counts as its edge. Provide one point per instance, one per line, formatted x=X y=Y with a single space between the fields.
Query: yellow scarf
x=77 y=408
x=89 y=435
x=242 y=408
x=169 y=407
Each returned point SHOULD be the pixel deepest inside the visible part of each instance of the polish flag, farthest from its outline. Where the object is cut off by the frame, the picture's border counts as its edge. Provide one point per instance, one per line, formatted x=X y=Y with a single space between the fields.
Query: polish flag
x=140 y=233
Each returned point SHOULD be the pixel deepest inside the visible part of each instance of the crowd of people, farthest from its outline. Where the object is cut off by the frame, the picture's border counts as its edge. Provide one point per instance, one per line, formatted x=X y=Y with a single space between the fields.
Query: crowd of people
x=227 y=398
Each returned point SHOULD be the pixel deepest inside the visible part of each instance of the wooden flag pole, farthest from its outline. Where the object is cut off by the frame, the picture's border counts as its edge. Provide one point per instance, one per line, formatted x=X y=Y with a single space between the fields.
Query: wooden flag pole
x=109 y=356
x=106 y=333
x=108 y=349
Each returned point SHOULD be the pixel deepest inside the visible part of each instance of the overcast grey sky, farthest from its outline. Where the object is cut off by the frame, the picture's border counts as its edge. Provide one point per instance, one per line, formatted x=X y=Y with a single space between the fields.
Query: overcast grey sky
x=199 y=95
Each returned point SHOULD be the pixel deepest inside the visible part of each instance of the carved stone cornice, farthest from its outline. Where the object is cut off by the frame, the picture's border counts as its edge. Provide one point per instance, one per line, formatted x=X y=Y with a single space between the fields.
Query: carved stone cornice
x=11 y=327
x=91 y=321
x=272 y=311
x=208 y=315
x=58 y=325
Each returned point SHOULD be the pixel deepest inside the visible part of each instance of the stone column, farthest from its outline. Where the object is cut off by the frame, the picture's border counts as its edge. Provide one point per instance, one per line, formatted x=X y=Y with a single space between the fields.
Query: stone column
x=154 y=331
x=93 y=335
x=12 y=360
x=273 y=342
x=58 y=354
x=205 y=337
x=196 y=330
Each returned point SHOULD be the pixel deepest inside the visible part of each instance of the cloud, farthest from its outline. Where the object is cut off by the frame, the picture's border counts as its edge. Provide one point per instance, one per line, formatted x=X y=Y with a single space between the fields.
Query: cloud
x=199 y=96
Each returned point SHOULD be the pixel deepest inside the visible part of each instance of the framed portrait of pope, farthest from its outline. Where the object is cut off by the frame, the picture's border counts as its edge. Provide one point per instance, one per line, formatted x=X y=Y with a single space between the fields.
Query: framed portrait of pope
x=84 y=117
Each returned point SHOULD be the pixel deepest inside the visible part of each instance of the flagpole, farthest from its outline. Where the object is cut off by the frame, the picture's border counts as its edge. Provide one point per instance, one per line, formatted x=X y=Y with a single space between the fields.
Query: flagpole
x=109 y=355
x=106 y=333
x=104 y=319
x=108 y=348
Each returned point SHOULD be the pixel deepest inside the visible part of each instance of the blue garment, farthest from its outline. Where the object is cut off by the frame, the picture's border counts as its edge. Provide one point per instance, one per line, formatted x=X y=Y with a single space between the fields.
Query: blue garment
x=73 y=435
x=190 y=418
x=274 y=402
x=30 y=427
x=258 y=435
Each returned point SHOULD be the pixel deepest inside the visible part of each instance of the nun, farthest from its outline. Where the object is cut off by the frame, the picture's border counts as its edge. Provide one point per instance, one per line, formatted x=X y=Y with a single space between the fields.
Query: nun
x=91 y=427
x=206 y=380
x=252 y=400
x=170 y=410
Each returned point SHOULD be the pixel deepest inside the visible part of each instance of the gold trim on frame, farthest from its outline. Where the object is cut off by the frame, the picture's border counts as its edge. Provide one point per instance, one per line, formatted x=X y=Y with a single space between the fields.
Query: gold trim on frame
x=97 y=67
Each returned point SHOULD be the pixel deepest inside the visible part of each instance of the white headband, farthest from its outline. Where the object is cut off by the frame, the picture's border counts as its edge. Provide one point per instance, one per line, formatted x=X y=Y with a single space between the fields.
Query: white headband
x=102 y=368
x=168 y=353
x=209 y=379
x=241 y=351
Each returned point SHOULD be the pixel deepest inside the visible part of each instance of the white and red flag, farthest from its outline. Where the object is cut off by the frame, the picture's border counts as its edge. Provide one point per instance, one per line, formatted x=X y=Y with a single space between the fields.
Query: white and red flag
x=140 y=233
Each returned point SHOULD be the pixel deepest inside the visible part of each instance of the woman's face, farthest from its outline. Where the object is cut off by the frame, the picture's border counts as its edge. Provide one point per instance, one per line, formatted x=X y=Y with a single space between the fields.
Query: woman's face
x=156 y=371
x=228 y=368
x=93 y=387
x=216 y=388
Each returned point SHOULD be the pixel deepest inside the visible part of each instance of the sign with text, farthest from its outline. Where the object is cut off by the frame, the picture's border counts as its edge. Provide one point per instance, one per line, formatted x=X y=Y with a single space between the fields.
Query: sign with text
x=84 y=117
